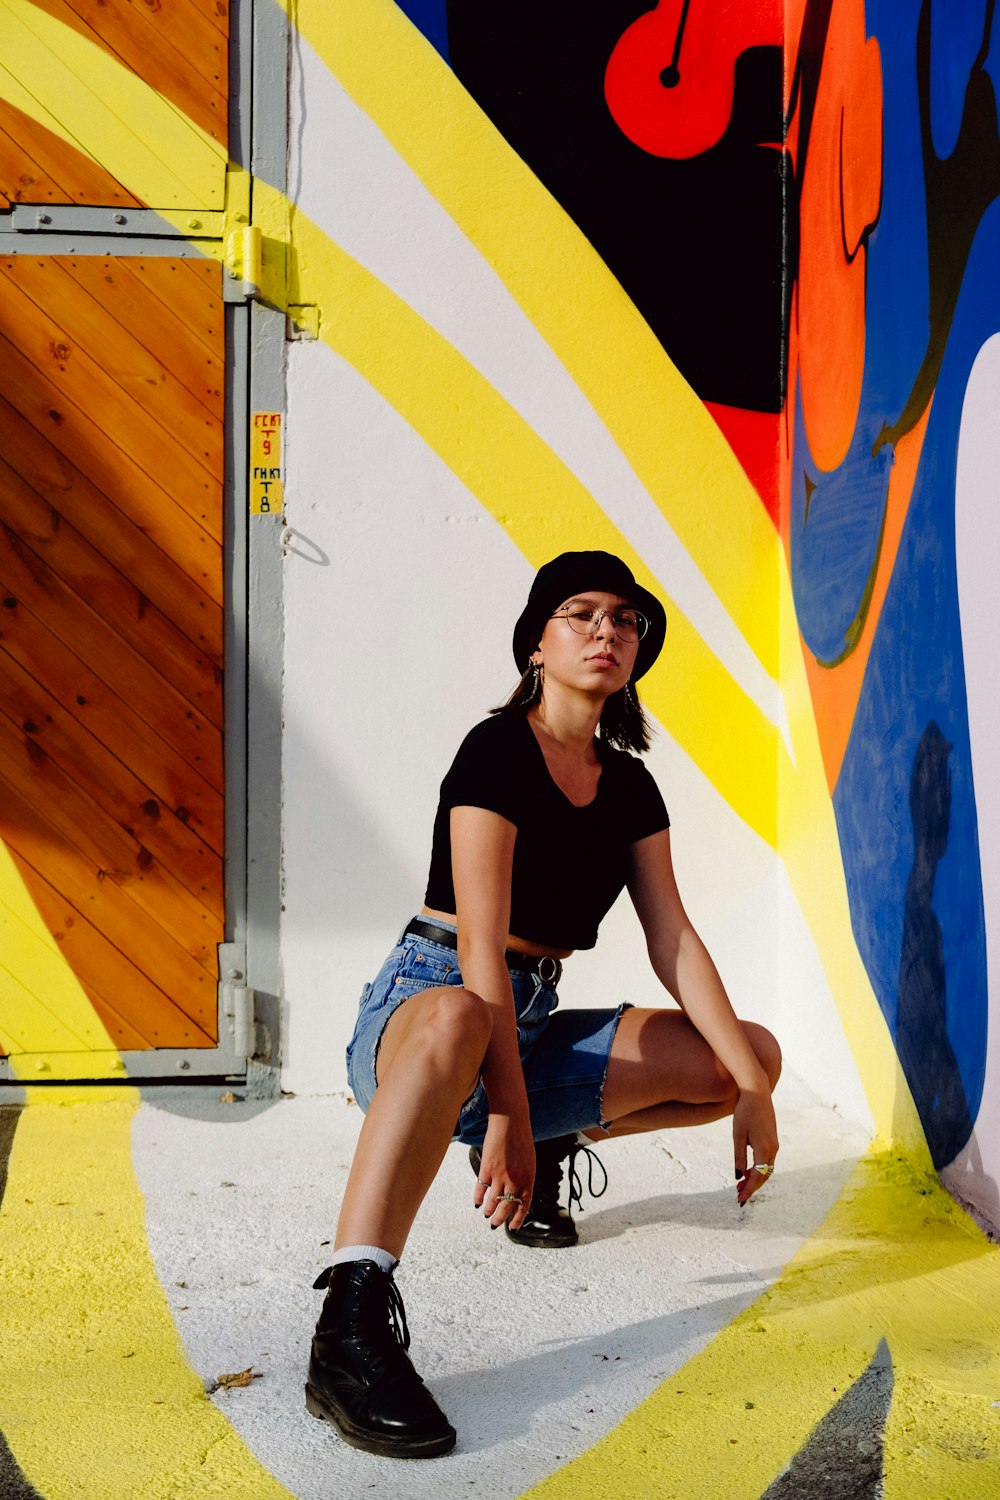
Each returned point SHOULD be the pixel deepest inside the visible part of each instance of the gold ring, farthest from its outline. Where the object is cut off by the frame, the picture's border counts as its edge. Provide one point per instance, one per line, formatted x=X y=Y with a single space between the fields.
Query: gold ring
x=510 y=1198
x=765 y=1168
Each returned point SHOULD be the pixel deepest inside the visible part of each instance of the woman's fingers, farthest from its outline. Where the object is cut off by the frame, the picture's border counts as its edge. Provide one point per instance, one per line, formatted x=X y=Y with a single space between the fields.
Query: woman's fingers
x=502 y=1203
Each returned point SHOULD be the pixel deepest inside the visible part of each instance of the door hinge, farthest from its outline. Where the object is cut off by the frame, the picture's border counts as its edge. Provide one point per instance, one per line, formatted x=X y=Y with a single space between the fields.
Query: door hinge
x=236 y=1007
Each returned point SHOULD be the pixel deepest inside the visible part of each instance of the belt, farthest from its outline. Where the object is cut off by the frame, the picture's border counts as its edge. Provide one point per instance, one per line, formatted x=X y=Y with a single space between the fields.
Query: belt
x=548 y=968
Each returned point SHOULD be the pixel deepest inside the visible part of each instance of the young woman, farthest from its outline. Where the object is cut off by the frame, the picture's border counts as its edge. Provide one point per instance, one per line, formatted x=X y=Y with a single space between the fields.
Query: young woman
x=542 y=822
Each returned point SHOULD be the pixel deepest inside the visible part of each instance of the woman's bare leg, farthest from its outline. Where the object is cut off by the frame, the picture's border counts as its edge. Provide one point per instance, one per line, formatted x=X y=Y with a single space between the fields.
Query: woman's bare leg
x=428 y=1064
x=662 y=1074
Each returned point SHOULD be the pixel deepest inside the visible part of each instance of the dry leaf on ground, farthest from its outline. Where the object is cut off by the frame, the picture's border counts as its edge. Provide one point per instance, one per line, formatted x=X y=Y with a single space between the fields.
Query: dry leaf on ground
x=241 y=1378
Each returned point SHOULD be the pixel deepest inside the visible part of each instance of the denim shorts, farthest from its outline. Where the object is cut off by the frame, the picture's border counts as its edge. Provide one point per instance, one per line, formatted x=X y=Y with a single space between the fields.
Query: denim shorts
x=564 y=1054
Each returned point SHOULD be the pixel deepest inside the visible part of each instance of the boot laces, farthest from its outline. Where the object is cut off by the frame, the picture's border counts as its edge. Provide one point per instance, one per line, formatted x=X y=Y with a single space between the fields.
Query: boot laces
x=576 y=1181
x=397 y=1315
x=394 y=1304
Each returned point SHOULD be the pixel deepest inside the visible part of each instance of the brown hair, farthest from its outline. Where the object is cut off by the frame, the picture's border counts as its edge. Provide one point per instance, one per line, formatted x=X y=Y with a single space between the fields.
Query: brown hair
x=623 y=723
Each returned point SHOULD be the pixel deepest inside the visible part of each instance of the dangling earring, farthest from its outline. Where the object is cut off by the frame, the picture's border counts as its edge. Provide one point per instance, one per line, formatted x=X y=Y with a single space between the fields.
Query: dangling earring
x=536 y=681
x=630 y=696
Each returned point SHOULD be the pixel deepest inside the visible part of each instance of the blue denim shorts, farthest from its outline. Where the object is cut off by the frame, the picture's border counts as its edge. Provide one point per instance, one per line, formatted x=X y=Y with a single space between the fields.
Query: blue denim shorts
x=564 y=1054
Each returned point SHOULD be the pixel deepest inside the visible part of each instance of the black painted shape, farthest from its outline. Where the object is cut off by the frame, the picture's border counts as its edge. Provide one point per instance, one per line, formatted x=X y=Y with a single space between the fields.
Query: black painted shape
x=842 y=1457
x=698 y=244
x=922 y=1041
x=13 y=1485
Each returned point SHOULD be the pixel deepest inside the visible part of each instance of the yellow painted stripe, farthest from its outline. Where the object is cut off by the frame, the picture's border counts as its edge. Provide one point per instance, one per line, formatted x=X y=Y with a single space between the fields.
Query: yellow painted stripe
x=570 y=296
x=896 y=1259
x=44 y=1008
x=97 y=1400
x=530 y=492
x=70 y=85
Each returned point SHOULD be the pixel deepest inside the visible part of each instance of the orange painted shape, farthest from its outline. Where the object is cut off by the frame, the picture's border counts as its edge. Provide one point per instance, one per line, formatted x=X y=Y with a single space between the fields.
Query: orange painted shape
x=835 y=690
x=841 y=186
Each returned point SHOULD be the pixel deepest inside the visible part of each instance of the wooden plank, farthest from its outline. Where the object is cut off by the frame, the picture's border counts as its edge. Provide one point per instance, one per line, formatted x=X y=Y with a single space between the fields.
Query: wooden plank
x=24 y=180
x=154 y=325
x=215 y=11
x=97 y=517
x=84 y=884
x=84 y=95
x=68 y=176
x=176 y=63
x=71 y=431
x=191 y=289
x=109 y=782
x=134 y=402
x=161 y=901
x=111 y=720
x=104 y=971
x=83 y=569
x=31 y=971
x=32 y=583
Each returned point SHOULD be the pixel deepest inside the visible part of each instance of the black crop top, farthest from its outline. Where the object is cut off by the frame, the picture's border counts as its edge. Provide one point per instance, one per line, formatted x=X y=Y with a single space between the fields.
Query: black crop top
x=570 y=863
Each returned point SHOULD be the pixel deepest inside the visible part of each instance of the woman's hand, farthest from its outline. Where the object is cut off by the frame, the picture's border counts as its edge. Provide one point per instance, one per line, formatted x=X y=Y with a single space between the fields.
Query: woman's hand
x=754 y=1129
x=508 y=1166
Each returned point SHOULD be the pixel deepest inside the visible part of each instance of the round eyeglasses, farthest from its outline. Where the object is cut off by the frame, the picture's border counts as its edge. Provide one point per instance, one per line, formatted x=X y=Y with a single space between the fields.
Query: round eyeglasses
x=586 y=619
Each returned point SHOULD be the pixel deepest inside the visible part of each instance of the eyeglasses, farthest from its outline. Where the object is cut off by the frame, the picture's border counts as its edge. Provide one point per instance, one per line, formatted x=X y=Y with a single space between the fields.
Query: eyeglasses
x=586 y=619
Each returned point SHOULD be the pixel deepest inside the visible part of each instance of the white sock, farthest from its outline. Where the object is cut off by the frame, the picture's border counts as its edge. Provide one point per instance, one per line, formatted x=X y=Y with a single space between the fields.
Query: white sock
x=382 y=1258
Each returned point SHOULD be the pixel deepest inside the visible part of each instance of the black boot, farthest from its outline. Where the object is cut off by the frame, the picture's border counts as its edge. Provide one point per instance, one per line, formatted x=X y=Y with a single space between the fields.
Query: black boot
x=360 y=1376
x=548 y=1225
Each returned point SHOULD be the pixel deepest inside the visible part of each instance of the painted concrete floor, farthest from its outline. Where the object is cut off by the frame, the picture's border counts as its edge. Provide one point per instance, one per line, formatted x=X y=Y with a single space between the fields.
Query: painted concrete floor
x=535 y=1356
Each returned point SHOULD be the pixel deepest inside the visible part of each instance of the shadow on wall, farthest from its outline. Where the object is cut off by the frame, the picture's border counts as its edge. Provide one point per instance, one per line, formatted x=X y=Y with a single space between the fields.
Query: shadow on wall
x=925 y=1050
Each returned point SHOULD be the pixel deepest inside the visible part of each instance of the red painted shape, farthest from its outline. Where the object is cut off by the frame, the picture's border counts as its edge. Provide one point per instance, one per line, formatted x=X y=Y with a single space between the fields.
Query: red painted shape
x=669 y=80
x=754 y=437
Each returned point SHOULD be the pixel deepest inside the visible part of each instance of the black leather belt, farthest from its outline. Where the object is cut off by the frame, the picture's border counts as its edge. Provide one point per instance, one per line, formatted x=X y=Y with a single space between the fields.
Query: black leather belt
x=547 y=968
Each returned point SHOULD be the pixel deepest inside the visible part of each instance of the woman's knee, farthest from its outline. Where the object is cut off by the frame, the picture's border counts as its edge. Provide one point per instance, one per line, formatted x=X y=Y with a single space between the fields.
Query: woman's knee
x=456 y=1025
x=766 y=1048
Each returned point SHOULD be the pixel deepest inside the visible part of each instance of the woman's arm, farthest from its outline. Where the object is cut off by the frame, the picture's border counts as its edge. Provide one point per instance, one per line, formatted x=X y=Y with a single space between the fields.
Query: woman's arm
x=482 y=856
x=682 y=963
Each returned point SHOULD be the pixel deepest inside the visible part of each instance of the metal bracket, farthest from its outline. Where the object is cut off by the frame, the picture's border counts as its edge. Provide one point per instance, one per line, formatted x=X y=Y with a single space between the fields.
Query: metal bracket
x=236 y=1005
x=71 y=218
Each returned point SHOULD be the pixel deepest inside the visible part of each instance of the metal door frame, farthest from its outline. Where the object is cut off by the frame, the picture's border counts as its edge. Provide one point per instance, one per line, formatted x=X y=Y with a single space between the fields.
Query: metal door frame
x=249 y=968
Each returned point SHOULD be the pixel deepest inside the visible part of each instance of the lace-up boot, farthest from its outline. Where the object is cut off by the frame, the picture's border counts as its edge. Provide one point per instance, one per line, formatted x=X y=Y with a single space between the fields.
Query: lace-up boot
x=360 y=1376
x=548 y=1225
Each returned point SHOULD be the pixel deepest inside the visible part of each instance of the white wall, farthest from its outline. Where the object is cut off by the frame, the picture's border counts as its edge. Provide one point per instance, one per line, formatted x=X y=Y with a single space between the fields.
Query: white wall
x=401 y=593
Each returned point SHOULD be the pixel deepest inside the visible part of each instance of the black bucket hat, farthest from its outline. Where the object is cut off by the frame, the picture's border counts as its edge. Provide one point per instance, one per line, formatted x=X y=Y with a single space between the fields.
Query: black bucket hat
x=573 y=573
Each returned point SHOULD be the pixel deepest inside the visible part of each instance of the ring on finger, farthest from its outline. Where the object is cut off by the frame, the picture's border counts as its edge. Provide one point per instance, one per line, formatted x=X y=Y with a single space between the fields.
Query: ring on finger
x=765 y=1168
x=510 y=1198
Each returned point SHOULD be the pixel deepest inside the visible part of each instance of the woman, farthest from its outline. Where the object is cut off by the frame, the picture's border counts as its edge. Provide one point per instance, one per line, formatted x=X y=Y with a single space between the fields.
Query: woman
x=541 y=823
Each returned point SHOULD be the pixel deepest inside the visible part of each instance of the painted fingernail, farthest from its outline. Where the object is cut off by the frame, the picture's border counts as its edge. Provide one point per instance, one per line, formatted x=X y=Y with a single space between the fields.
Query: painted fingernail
x=494 y=1226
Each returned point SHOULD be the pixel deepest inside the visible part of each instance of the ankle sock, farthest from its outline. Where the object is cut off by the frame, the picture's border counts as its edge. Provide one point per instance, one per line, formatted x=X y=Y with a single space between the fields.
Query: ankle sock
x=382 y=1258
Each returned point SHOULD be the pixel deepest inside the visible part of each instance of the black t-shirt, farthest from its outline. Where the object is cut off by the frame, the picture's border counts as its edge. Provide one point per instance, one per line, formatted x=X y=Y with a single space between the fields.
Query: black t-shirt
x=570 y=863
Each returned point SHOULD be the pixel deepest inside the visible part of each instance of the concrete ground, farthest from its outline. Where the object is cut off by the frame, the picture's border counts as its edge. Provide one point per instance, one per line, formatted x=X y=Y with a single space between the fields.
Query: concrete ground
x=763 y=1378
x=533 y=1355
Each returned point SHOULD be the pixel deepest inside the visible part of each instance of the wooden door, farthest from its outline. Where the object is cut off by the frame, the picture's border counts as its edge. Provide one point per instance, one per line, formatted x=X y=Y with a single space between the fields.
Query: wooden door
x=112 y=418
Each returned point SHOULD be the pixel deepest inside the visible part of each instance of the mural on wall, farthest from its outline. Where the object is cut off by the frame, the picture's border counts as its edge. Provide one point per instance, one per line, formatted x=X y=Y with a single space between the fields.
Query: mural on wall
x=696 y=145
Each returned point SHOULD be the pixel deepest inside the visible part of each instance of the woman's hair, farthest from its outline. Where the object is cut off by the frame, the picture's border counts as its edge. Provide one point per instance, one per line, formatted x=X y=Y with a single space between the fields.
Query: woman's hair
x=623 y=724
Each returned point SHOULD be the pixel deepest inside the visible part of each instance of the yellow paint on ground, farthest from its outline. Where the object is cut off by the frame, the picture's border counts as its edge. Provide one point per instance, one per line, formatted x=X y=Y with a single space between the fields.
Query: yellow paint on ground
x=566 y=290
x=516 y=476
x=97 y=1400
x=43 y=1006
x=895 y=1258
x=89 y=99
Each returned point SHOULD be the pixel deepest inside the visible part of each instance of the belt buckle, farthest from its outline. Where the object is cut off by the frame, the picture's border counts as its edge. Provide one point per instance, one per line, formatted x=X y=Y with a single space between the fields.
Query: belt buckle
x=549 y=978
